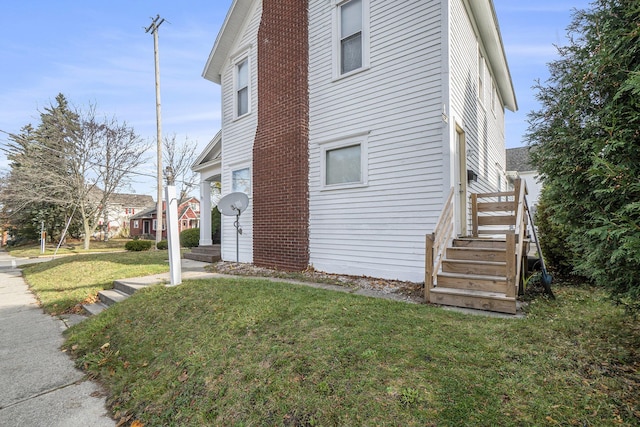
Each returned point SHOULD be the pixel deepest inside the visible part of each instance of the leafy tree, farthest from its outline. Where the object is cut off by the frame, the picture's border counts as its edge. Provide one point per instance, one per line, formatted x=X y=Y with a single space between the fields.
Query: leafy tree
x=587 y=144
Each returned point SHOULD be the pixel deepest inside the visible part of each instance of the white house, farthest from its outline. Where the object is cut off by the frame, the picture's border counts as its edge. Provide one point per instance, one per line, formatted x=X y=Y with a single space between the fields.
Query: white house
x=519 y=166
x=347 y=123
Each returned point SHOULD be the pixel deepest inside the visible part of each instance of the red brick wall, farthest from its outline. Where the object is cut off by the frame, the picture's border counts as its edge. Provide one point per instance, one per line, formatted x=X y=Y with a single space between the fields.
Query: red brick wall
x=280 y=152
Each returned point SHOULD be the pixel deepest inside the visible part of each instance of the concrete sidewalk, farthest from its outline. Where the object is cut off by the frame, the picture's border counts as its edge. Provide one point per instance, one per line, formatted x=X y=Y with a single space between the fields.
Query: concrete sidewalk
x=39 y=385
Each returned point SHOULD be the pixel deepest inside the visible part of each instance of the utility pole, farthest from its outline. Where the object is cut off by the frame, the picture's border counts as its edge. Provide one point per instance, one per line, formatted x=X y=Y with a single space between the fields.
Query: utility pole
x=153 y=29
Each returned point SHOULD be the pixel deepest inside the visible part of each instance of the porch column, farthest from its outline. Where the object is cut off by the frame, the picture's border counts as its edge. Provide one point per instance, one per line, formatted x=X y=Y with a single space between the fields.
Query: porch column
x=205 y=214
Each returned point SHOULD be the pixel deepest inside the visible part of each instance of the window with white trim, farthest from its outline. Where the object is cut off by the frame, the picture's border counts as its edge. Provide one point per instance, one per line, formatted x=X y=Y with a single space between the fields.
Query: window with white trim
x=352 y=44
x=241 y=180
x=136 y=224
x=241 y=83
x=344 y=162
x=480 y=77
x=494 y=96
x=155 y=225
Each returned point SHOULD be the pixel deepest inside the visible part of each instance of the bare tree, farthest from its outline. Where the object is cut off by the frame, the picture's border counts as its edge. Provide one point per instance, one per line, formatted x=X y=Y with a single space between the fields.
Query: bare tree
x=180 y=158
x=73 y=161
x=108 y=153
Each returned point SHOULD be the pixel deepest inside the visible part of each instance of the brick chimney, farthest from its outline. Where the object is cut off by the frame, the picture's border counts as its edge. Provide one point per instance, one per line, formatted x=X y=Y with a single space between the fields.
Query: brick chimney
x=280 y=151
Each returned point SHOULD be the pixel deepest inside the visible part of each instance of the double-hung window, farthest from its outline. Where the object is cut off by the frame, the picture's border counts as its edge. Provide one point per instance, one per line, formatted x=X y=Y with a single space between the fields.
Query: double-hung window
x=242 y=87
x=352 y=35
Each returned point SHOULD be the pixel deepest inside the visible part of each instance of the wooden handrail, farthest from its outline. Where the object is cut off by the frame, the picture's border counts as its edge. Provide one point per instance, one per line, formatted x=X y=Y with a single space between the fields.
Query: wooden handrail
x=436 y=244
x=505 y=212
x=514 y=276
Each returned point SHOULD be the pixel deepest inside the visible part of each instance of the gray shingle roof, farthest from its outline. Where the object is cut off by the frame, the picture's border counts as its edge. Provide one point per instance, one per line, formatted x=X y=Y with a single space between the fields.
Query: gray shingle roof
x=518 y=160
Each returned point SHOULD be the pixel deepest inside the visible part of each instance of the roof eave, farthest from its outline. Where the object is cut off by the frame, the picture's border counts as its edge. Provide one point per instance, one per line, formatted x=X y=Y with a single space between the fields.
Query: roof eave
x=487 y=22
x=225 y=40
x=212 y=145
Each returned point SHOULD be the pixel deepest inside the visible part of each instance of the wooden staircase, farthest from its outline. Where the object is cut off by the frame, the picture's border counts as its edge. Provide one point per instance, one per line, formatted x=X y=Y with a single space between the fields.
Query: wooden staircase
x=481 y=271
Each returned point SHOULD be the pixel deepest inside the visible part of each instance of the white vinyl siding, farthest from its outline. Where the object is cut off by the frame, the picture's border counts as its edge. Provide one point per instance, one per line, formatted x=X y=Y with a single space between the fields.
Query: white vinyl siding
x=238 y=135
x=378 y=229
x=484 y=128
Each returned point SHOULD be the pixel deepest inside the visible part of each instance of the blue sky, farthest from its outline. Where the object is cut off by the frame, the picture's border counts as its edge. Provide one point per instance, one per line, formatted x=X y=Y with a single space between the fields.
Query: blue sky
x=98 y=52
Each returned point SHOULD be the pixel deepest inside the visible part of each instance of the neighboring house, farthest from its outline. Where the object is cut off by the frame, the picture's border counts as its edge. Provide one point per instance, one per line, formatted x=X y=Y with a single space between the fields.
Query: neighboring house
x=144 y=224
x=519 y=165
x=122 y=207
x=347 y=123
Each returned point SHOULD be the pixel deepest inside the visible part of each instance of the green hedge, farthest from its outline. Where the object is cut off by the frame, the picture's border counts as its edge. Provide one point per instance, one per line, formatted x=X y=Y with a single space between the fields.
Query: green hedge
x=138 y=245
x=190 y=238
x=163 y=244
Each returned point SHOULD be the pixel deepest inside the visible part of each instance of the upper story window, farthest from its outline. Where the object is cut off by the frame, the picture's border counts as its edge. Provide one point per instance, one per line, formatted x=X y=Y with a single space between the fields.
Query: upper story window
x=242 y=87
x=481 y=77
x=494 y=96
x=352 y=35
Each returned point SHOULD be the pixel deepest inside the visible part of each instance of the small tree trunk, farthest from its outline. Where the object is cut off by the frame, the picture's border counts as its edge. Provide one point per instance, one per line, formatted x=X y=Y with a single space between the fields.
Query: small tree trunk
x=87 y=233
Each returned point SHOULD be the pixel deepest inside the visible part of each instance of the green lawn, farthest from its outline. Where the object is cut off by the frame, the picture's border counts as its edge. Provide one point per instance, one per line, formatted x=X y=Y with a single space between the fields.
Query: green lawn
x=73 y=247
x=246 y=352
x=64 y=283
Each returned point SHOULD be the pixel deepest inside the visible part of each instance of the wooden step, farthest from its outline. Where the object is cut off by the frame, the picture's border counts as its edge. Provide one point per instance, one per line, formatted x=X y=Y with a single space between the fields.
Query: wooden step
x=496 y=220
x=473 y=282
x=479 y=300
x=464 y=266
x=477 y=254
x=479 y=242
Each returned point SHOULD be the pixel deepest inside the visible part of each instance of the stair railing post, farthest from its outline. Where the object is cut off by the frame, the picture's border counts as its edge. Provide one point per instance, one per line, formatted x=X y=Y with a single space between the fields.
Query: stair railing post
x=428 y=278
x=511 y=264
x=474 y=214
x=516 y=192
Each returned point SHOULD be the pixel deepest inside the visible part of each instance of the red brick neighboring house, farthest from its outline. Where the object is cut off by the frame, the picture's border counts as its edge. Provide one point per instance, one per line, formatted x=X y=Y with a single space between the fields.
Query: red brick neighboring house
x=144 y=224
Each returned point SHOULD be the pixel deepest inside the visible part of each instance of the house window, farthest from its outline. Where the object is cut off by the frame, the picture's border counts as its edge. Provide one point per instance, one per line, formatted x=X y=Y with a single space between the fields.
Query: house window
x=343 y=165
x=242 y=87
x=136 y=224
x=481 y=78
x=494 y=96
x=352 y=35
x=344 y=162
x=155 y=225
x=241 y=180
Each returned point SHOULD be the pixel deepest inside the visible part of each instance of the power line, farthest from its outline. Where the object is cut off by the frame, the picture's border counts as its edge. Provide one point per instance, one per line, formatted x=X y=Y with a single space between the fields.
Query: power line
x=91 y=162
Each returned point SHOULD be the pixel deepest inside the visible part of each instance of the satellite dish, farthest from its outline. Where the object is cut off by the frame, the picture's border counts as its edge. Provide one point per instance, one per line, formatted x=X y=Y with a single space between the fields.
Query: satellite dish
x=234 y=204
